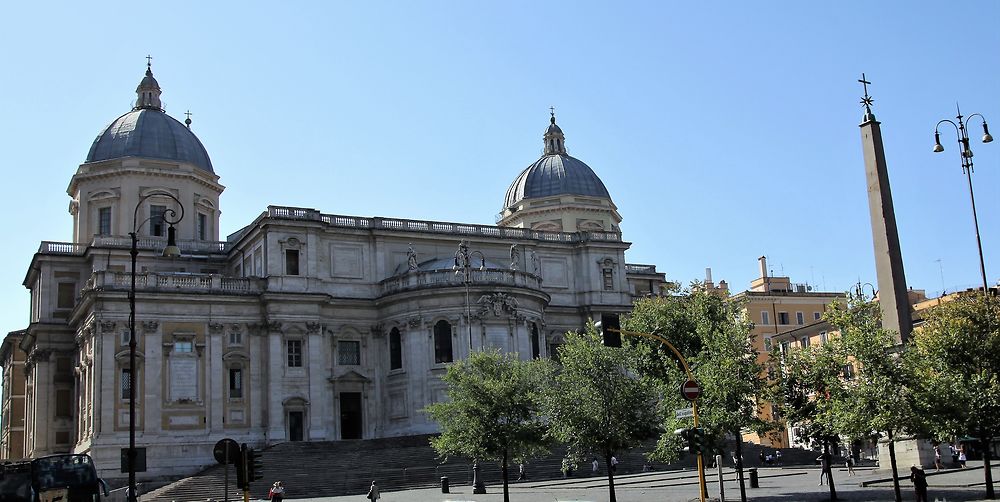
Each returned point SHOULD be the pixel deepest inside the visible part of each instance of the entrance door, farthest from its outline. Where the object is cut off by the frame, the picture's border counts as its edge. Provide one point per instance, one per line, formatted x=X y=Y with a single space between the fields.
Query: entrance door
x=295 y=425
x=350 y=415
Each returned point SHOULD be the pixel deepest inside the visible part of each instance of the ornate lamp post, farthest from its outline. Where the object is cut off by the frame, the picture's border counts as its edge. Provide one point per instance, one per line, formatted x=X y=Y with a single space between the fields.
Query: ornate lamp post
x=463 y=265
x=966 y=155
x=170 y=217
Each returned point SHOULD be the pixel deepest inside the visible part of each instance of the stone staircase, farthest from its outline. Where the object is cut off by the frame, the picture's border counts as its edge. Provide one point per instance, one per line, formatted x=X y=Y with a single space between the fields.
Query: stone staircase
x=334 y=468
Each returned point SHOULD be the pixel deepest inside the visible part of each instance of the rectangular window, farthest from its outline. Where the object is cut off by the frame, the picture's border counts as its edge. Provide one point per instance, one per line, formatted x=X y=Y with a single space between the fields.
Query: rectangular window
x=782 y=317
x=235 y=338
x=126 y=383
x=395 y=350
x=202 y=226
x=294 y=353
x=183 y=347
x=764 y=318
x=805 y=341
x=292 y=261
x=822 y=337
x=67 y=295
x=609 y=282
x=800 y=318
x=104 y=221
x=816 y=316
x=849 y=372
x=157 y=225
x=784 y=347
x=64 y=403
x=235 y=383
x=349 y=353
x=767 y=344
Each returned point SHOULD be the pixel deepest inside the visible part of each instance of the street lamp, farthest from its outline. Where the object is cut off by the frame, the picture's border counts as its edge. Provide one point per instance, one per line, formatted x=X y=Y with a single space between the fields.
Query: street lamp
x=966 y=155
x=172 y=251
x=463 y=265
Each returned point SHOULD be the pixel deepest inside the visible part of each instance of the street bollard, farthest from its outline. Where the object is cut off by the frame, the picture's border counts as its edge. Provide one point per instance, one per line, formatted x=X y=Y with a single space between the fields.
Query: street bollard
x=753 y=478
x=444 y=484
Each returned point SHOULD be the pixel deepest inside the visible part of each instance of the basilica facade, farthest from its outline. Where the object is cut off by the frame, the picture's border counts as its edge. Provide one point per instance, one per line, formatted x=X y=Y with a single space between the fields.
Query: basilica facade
x=300 y=326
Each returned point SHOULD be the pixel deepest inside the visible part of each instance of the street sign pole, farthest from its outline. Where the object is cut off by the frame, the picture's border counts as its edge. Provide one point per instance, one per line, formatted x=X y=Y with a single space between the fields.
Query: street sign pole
x=226 y=469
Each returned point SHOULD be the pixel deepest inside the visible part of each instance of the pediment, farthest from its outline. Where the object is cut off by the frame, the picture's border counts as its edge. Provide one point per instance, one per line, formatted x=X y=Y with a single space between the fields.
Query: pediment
x=351 y=376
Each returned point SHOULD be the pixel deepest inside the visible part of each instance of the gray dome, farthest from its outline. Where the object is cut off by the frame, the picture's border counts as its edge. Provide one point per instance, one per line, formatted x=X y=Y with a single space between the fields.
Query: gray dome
x=555 y=174
x=149 y=133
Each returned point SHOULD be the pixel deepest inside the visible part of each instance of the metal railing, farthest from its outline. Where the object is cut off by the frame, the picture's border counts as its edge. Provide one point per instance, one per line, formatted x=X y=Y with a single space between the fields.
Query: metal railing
x=197 y=283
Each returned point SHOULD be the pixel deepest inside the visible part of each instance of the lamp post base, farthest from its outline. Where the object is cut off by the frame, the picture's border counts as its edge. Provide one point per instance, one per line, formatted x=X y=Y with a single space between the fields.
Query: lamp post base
x=477 y=484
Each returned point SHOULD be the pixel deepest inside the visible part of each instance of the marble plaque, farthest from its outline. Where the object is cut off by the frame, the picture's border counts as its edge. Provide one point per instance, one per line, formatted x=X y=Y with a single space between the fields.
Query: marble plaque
x=183 y=379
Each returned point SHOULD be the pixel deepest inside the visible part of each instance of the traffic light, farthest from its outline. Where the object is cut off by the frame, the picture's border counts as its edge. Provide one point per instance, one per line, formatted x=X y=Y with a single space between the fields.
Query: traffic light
x=685 y=437
x=255 y=465
x=241 y=469
x=610 y=327
x=699 y=442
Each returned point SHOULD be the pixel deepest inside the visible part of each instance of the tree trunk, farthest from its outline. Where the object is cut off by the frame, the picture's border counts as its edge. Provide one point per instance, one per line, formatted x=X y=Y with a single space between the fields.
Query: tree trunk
x=739 y=465
x=506 y=492
x=829 y=465
x=611 y=478
x=984 y=442
x=892 y=463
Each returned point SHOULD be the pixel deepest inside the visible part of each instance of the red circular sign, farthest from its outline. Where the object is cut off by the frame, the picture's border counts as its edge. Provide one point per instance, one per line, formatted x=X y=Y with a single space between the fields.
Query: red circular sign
x=690 y=390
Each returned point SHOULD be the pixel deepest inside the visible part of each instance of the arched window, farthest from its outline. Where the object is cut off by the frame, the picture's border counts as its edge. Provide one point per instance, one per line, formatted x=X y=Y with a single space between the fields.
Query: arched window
x=442 y=342
x=395 y=350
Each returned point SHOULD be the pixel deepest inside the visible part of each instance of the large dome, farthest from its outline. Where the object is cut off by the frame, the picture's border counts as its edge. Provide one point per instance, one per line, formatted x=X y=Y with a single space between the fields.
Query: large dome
x=149 y=133
x=556 y=173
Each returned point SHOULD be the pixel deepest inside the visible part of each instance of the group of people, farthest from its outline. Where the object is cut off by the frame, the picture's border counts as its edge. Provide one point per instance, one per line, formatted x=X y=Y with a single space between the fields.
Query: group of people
x=958 y=456
x=769 y=458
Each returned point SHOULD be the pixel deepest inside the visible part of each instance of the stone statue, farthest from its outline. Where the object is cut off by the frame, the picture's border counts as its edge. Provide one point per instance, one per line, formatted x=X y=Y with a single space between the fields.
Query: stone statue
x=534 y=262
x=411 y=258
x=515 y=256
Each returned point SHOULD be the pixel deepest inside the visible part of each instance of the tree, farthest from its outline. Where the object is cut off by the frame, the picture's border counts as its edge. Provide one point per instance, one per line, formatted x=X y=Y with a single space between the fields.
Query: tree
x=713 y=333
x=492 y=412
x=810 y=392
x=877 y=398
x=600 y=402
x=954 y=360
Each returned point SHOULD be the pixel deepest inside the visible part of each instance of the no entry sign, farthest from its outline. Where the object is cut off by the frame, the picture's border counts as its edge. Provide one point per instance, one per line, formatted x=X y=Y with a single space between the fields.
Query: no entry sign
x=690 y=390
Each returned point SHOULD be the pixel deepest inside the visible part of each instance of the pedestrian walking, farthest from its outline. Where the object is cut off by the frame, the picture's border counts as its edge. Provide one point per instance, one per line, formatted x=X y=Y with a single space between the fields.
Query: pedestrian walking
x=594 y=466
x=373 y=494
x=849 y=463
x=937 y=457
x=737 y=461
x=954 y=454
x=919 y=480
x=614 y=464
x=777 y=457
x=521 y=475
x=961 y=457
x=824 y=467
x=277 y=492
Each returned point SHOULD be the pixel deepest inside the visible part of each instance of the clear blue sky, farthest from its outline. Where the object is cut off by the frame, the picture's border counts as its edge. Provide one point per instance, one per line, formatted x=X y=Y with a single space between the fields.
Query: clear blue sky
x=723 y=130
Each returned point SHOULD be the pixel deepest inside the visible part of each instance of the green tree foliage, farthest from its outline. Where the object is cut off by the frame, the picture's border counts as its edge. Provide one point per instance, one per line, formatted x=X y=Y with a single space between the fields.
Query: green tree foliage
x=600 y=404
x=954 y=361
x=492 y=412
x=713 y=334
x=877 y=399
x=811 y=389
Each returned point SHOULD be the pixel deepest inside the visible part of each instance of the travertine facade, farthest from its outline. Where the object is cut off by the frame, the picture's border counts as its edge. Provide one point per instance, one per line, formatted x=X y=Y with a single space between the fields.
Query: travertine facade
x=300 y=326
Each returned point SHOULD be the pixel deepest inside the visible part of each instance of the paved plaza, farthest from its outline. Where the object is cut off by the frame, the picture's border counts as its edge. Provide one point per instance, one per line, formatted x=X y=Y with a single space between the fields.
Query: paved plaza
x=789 y=484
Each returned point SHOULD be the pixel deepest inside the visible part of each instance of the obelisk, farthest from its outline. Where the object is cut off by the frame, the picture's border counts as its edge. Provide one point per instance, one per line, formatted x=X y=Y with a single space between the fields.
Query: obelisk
x=892 y=294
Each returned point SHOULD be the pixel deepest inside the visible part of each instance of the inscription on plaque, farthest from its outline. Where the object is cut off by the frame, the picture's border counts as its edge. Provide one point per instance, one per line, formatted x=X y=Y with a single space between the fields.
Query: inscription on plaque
x=183 y=378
